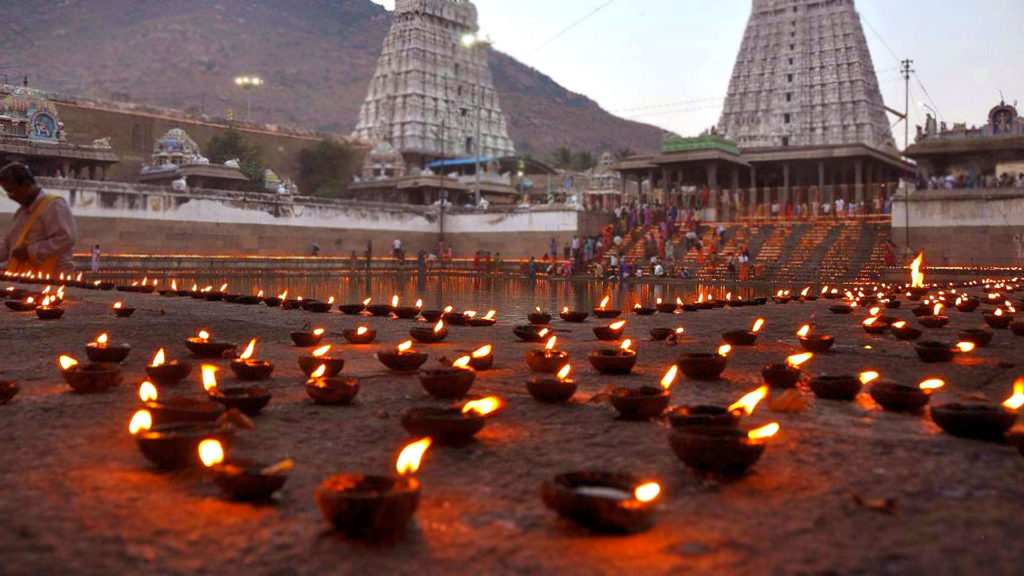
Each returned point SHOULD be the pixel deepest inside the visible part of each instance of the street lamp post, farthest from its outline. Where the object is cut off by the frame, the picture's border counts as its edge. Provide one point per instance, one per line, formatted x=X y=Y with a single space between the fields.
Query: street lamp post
x=248 y=83
x=475 y=43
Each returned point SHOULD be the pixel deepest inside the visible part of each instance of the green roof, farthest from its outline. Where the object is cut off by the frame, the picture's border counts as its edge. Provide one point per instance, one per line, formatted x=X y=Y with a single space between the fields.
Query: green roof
x=715 y=142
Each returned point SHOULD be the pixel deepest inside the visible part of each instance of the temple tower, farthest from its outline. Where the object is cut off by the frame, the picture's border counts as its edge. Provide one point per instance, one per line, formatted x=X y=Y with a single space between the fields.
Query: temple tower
x=804 y=77
x=432 y=96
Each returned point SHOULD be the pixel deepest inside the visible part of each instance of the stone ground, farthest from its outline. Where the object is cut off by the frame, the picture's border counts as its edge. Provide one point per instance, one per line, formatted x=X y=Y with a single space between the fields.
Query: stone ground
x=79 y=498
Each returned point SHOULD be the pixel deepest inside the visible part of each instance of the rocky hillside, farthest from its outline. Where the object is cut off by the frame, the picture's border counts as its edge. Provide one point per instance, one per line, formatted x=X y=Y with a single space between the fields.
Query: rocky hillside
x=317 y=57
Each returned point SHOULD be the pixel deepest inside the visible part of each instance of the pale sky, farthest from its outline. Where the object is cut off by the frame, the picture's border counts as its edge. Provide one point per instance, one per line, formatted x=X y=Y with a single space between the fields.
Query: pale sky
x=668 y=62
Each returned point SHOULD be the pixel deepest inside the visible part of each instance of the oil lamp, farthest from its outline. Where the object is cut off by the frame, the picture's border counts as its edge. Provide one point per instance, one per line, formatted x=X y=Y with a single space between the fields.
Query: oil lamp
x=601 y=501
x=484 y=321
x=981 y=421
x=902 y=331
x=381 y=310
x=121 y=311
x=250 y=300
x=241 y=479
x=374 y=507
x=604 y=312
x=967 y=304
x=166 y=373
x=935 y=319
x=173 y=446
x=938 y=352
x=93 y=378
x=817 y=343
x=842 y=308
x=807 y=296
x=843 y=388
x=901 y=398
x=547 y=360
x=667 y=307
x=553 y=391
x=318 y=358
x=482 y=358
x=786 y=375
x=572 y=316
x=720 y=450
x=276 y=301
x=662 y=334
x=8 y=390
x=294 y=304
x=217 y=295
x=610 y=333
x=873 y=325
x=728 y=417
x=433 y=335
x=704 y=366
x=102 y=350
x=998 y=319
x=48 y=310
x=330 y=391
x=539 y=318
x=744 y=337
x=176 y=410
x=360 y=335
x=355 y=309
x=782 y=297
x=917 y=289
x=614 y=361
x=406 y=312
x=249 y=369
x=249 y=400
x=403 y=358
x=202 y=347
x=318 y=307
x=449 y=382
x=977 y=336
x=433 y=316
x=641 y=310
x=25 y=304
x=308 y=338
x=532 y=333
x=451 y=426
x=645 y=402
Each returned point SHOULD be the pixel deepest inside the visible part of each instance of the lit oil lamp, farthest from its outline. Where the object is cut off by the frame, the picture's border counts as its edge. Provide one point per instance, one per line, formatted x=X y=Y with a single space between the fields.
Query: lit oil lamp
x=603 y=502
x=406 y=312
x=539 y=318
x=485 y=321
x=843 y=308
x=706 y=415
x=917 y=289
x=355 y=309
x=360 y=335
x=482 y=359
x=102 y=350
x=901 y=398
x=449 y=382
x=641 y=310
x=250 y=300
x=935 y=319
x=547 y=360
x=319 y=357
x=553 y=391
x=604 y=312
x=122 y=311
x=719 y=450
x=174 y=446
x=705 y=366
x=217 y=295
x=249 y=369
x=433 y=335
x=382 y=310
x=450 y=316
x=403 y=358
x=532 y=333
x=782 y=297
x=967 y=304
x=8 y=390
x=94 y=378
x=817 y=343
x=276 y=301
x=614 y=361
x=645 y=402
x=612 y=332
x=807 y=296
x=981 y=421
x=249 y=400
x=667 y=307
x=48 y=310
x=166 y=373
x=977 y=336
x=308 y=338
x=26 y=304
x=572 y=316
x=786 y=375
x=202 y=347
x=939 y=352
x=318 y=307
x=331 y=391
x=903 y=331
x=998 y=319
x=873 y=325
x=744 y=337
x=433 y=316
x=241 y=479
x=176 y=410
x=293 y=303
x=662 y=334
x=845 y=388
x=451 y=426
x=374 y=507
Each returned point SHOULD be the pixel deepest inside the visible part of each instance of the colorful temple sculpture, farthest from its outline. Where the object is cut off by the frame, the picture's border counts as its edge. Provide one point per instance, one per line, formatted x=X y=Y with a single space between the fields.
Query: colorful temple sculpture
x=177 y=161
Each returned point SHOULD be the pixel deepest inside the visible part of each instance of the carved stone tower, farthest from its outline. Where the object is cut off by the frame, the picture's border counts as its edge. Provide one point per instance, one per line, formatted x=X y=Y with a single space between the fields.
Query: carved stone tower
x=430 y=90
x=804 y=77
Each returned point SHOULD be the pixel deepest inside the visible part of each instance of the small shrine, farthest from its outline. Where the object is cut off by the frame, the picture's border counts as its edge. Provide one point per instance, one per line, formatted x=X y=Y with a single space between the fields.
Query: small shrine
x=177 y=148
x=383 y=163
x=177 y=161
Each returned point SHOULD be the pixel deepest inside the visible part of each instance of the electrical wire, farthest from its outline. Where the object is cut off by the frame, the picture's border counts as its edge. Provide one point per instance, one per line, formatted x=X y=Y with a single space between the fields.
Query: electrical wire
x=565 y=30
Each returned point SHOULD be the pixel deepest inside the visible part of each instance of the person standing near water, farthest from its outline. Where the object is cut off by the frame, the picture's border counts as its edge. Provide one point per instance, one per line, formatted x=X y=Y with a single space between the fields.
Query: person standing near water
x=43 y=231
x=94 y=262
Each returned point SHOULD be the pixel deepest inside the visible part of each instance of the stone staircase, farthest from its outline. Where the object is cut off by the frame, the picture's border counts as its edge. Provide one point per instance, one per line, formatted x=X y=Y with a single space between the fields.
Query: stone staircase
x=792 y=234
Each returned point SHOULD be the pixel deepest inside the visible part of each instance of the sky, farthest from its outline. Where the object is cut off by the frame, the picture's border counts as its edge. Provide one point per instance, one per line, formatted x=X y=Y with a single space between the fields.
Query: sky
x=668 y=62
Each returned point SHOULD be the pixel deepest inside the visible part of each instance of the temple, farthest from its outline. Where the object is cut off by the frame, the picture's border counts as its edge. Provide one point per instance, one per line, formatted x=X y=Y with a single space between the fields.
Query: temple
x=176 y=157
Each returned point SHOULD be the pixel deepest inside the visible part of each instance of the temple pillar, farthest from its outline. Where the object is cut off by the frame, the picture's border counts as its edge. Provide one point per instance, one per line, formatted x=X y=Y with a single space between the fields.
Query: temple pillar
x=752 y=201
x=787 y=193
x=666 y=184
x=102 y=173
x=92 y=172
x=858 y=181
x=650 y=191
x=711 y=172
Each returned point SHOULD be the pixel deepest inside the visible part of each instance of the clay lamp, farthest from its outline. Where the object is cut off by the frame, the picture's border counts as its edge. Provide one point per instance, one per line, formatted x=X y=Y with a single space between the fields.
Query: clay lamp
x=720 y=450
x=666 y=307
x=532 y=333
x=940 y=352
x=901 y=398
x=662 y=334
x=308 y=339
x=744 y=337
x=27 y=304
x=249 y=400
x=104 y=285
x=786 y=375
x=355 y=309
x=197 y=294
x=121 y=311
x=817 y=343
x=874 y=326
x=935 y=319
x=240 y=479
x=381 y=310
x=451 y=426
x=173 y=446
x=484 y=321
x=276 y=301
x=605 y=313
x=249 y=369
x=553 y=391
x=966 y=304
x=217 y=295
x=538 y=318
x=547 y=360
x=250 y=300
x=842 y=308
x=988 y=422
x=407 y=312
x=998 y=319
x=482 y=359
x=8 y=390
x=167 y=373
x=174 y=291
x=903 y=331
x=318 y=358
x=572 y=316
x=704 y=366
x=92 y=378
x=177 y=410
x=332 y=391
x=685 y=416
x=317 y=307
x=643 y=310
x=645 y=402
x=978 y=336
x=782 y=297
x=202 y=347
x=841 y=387
x=433 y=315
x=602 y=502
x=360 y=335
x=403 y=358
x=611 y=333
x=614 y=362
x=294 y=304
x=374 y=507
x=102 y=350
x=449 y=382
x=429 y=335
x=49 y=310
x=806 y=296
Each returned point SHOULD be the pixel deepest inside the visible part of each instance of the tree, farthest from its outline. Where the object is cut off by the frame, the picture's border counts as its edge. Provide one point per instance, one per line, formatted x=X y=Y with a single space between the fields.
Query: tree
x=232 y=146
x=583 y=161
x=563 y=158
x=326 y=169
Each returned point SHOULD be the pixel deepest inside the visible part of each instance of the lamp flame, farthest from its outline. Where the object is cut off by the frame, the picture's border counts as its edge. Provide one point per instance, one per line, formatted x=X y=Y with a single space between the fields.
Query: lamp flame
x=141 y=420
x=999 y=311
x=203 y=335
x=394 y=301
x=331 y=300
x=67 y=362
x=551 y=343
x=319 y=372
x=670 y=377
x=604 y=302
x=647 y=492
x=448 y=309
x=283 y=295
x=439 y=327
x=483 y=407
x=618 y=325
x=805 y=291
x=367 y=301
x=102 y=339
x=724 y=350
x=937 y=310
x=875 y=311
x=1016 y=402
x=764 y=432
x=249 y=350
x=211 y=452
x=565 y=309
x=564 y=372
x=750 y=401
x=362 y=330
x=419 y=304
x=758 y=325
x=411 y=456
x=490 y=314
x=932 y=385
x=321 y=351
x=462 y=363
x=626 y=344
x=916 y=276
x=319 y=332
x=118 y=305
x=797 y=360
x=147 y=392
x=804 y=331
x=160 y=358
x=871 y=321
x=966 y=347
x=482 y=352
x=869 y=377
x=209 y=377
x=469 y=314
x=405 y=346
x=544 y=332
x=899 y=325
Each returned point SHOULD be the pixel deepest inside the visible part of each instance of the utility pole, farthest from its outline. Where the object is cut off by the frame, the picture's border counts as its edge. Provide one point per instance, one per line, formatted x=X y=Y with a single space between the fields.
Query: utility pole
x=907 y=70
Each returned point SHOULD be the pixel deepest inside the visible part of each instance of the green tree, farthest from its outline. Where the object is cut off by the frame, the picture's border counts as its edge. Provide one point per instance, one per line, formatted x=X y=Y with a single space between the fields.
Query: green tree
x=232 y=146
x=583 y=161
x=326 y=169
x=563 y=158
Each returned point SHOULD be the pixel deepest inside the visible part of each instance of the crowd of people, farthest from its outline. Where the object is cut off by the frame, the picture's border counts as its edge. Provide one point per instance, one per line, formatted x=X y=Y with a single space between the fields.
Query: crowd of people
x=964 y=181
